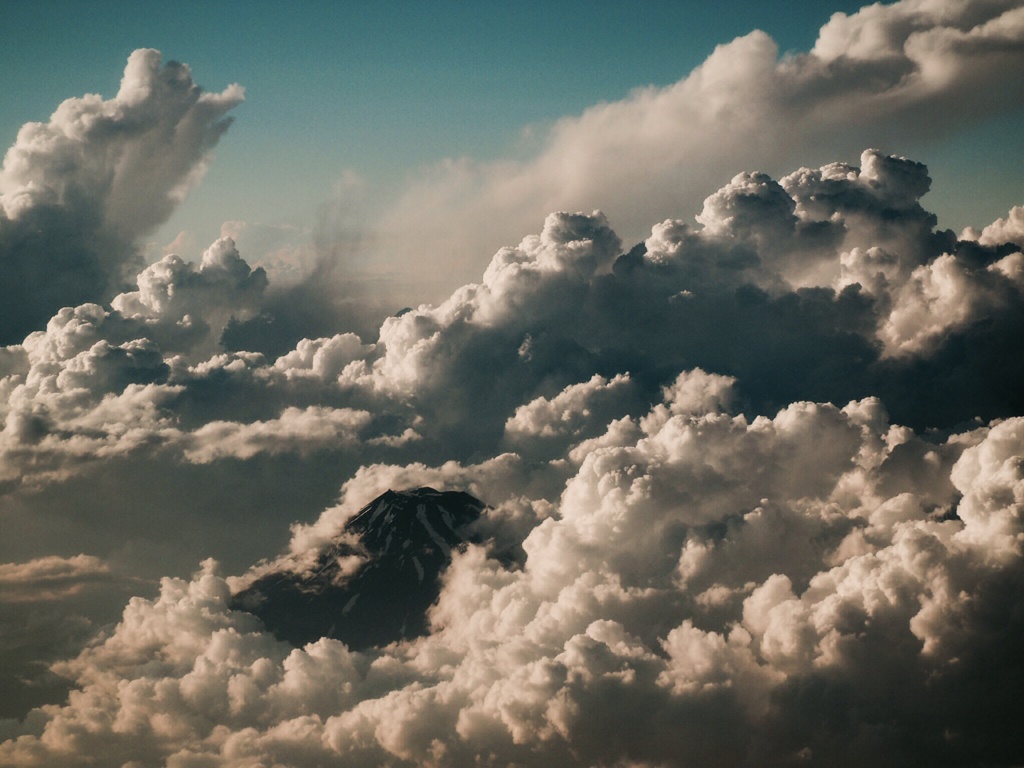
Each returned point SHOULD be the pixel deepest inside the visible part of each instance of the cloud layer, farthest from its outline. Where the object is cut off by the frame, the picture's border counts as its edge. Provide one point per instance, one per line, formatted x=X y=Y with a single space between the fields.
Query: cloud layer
x=756 y=482
x=704 y=550
x=822 y=604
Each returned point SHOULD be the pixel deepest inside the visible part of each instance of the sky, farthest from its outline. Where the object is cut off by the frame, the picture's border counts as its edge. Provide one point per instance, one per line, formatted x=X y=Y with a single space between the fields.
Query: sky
x=718 y=310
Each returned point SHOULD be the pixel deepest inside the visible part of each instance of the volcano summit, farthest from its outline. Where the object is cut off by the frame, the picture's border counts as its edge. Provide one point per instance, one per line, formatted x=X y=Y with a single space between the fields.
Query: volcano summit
x=374 y=583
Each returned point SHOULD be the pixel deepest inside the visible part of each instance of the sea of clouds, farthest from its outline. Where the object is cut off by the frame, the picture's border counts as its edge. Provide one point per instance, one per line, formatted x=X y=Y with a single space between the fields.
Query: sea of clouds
x=763 y=472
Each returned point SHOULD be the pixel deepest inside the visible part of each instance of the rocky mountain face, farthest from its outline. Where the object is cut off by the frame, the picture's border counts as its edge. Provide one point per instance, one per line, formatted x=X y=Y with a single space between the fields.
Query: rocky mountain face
x=375 y=583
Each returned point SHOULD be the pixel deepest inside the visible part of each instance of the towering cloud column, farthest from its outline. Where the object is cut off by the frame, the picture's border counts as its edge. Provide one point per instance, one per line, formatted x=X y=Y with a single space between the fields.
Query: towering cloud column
x=78 y=192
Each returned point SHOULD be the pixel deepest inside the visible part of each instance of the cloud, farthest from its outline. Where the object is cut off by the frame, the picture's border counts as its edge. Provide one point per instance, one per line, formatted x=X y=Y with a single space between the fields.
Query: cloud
x=755 y=483
x=49 y=578
x=562 y=659
x=1008 y=230
x=45 y=609
x=884 y=76
x=561 y=420
x=181 y=303
x=295 y=430
x=828 y=285
x=77 y=193
x=682 y=564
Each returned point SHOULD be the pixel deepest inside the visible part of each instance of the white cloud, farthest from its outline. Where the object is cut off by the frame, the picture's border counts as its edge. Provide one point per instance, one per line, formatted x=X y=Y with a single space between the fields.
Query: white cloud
x=886 y=74
x=520 y=663
x=1008 y=230
x=299 y=430
x=78 y=192
x=566 y=413
x=187 y=307
x=735 y=536
x=991 y=478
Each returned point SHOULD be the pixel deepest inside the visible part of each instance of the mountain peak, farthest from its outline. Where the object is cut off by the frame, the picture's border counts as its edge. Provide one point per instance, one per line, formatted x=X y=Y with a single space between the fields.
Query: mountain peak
x=375 y=583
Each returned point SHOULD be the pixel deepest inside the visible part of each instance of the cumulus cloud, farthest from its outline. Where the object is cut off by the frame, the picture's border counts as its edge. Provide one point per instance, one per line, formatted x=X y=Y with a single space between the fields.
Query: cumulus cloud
x=686 y=558
x=188 y=306
x=830 y=284
x=78 y=192
x=560 y=660
x=886 y=75
x=557 y=422
x=681 y=564
x=754 y=484
x=1008 y=230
